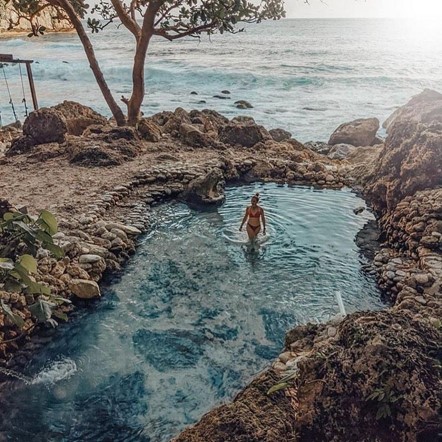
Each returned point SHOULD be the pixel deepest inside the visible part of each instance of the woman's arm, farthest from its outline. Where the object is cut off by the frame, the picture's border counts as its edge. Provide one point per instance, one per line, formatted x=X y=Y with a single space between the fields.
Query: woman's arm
x=246 y=215
x=263 y=221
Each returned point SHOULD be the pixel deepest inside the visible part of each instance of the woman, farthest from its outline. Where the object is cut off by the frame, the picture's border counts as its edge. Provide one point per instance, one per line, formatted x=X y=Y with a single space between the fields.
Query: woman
x=253 y=215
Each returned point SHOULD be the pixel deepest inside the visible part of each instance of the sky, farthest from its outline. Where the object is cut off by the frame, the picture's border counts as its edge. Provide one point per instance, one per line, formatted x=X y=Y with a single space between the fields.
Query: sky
x=420 y=9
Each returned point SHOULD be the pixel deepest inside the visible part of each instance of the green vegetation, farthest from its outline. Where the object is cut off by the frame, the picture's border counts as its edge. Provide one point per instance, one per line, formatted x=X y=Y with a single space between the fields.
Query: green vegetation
x=21 y=235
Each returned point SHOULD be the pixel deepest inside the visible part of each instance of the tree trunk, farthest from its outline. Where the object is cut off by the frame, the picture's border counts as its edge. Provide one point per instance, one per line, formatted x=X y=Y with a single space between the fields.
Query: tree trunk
x=93 y=63
x=138 y=89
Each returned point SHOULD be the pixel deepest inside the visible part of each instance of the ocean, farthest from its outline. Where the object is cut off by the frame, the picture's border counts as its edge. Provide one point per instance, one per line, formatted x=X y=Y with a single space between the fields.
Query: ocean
x=303 y=75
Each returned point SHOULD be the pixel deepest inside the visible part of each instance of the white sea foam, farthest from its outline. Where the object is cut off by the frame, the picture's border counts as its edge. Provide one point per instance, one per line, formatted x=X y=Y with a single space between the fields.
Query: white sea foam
x=287 y=70
x=56 y=371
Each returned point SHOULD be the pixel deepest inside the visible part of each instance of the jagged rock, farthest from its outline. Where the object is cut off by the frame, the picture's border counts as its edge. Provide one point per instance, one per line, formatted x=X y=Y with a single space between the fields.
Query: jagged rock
x=341 y=151
x=84 y=288
x=206 y=190
x=361 y=132
x=79 y=117
x=21 y=145
x=425 y=107
x=194 y=137
x=318 y=147
x=246 y=134
x=280 y=134
x=411 y=160
x=45 y=126
x=149 y=131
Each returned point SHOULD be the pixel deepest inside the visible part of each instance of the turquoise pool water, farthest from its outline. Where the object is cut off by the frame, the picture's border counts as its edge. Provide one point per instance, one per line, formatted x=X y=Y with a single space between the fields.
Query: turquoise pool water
x=196 y=315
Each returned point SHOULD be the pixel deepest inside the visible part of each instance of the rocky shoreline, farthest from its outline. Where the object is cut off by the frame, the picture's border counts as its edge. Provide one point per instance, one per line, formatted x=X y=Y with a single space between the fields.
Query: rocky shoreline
x=334 y=368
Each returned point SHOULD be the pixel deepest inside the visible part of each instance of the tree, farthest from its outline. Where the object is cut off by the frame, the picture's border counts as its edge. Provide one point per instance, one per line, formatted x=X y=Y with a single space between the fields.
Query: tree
x=170 y=19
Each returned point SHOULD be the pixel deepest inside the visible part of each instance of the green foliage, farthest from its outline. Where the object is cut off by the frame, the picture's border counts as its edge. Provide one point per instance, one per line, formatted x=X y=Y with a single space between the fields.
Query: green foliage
x=384 y=398
x=20 y=237
x=283 y=383
x=180 y=18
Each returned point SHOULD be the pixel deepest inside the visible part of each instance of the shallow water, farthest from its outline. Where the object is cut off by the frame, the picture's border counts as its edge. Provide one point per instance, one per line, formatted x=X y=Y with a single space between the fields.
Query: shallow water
x=196 y=315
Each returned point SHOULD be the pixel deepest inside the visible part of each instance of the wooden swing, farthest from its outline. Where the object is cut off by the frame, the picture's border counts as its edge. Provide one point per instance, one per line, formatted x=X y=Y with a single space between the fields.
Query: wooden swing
x=6 y=59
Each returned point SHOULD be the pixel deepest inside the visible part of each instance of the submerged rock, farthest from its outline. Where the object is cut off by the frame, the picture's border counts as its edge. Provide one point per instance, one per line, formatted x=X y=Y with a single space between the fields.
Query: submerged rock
x=361 y=132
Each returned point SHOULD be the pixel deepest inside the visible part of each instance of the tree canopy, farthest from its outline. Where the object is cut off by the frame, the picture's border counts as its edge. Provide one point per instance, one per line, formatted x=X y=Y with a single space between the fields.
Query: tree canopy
x=170 y=19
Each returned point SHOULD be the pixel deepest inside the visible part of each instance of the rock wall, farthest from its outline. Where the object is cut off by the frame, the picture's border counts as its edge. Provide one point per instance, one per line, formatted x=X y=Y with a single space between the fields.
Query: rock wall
x=46 y=19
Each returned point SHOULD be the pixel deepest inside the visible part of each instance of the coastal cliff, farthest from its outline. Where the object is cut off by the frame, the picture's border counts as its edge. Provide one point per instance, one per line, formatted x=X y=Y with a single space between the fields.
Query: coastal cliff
x=47 y=18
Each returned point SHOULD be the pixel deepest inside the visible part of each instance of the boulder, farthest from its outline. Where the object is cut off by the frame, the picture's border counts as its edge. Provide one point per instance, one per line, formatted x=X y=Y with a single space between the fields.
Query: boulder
x=194 y=137
x=78 y=117
x=341 y=151
x=84 y=288
x=280 y=134
x=425 y=107
x=149 y=130
x=319 y=147
x=246 y=134
x=21 y=145
x=45 y=126
x=243 y=104
x=361 y=132
x=206 y=190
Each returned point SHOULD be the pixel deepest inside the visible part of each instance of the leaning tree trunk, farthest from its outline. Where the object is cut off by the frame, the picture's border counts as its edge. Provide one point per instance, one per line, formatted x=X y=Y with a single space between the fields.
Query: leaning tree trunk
x=138 y=88
x=93 y=63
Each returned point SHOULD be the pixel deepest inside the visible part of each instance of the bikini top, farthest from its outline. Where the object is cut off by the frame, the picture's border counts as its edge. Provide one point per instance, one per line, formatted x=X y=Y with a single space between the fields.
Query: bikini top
x=256 y=215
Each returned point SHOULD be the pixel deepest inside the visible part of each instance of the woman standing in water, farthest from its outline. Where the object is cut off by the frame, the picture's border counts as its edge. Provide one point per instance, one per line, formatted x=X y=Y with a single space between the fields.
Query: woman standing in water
x=253 y=216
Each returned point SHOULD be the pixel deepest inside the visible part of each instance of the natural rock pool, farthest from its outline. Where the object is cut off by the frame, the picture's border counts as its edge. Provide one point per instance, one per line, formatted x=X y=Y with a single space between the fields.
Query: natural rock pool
x=196 y=315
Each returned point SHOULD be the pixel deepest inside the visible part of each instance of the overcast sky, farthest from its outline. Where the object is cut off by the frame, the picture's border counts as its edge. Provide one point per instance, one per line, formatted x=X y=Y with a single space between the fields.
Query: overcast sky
x=364 y=8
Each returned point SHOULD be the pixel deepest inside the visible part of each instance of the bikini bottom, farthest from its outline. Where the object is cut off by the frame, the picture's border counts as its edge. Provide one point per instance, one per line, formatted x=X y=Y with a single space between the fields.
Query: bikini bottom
x=254 y=228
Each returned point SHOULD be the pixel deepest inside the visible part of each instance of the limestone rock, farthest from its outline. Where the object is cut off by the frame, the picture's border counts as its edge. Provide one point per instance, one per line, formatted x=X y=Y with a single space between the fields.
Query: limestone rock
x=45 y=126
x=425 y=107
x=79 y=117
x=280 y=134
x=361 y=132
x=84 y=289
x=149 y=130
x=206 y=190
x=246 y=135
x=194 y=137
x=341 y=151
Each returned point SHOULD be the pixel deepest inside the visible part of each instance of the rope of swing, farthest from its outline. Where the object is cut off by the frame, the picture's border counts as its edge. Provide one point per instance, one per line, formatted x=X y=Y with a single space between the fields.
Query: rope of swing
x=23 y=90
x=9 y=93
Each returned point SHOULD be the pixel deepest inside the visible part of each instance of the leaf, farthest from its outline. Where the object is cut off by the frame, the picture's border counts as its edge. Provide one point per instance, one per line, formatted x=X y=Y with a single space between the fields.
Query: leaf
x=277 y=387
x=8 y=216
x=42 y=310
x=29 y=263
x=6 y=264
x=60 y=315
x=13 y=286
x=16 y=319
x=50 y=221
x=57 y=251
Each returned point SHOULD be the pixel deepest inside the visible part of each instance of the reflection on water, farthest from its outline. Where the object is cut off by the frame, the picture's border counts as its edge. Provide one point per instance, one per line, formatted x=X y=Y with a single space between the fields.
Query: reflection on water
x=198 y=313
